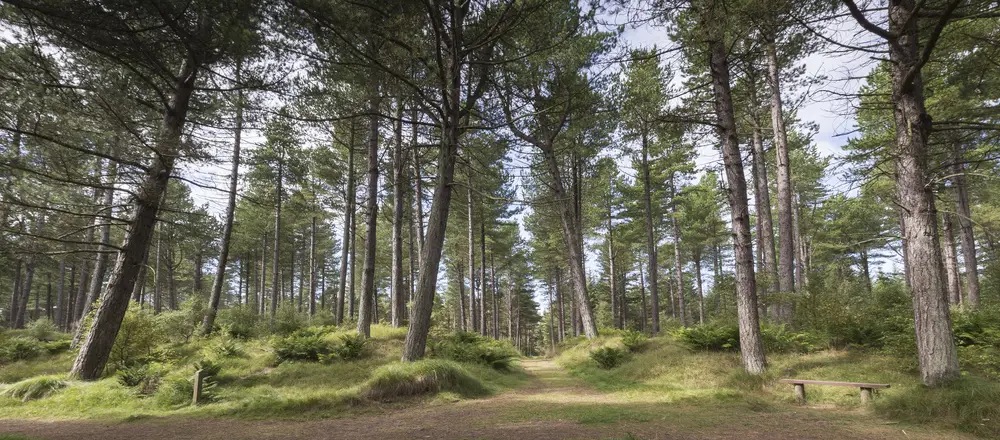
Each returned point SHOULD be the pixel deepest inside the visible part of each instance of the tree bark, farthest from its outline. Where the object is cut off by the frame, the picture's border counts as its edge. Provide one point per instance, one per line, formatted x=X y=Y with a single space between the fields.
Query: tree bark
x=15 y=296
x=345 y=251
x=60 y=294
x=276 y=286
x=227 y=228
x=651 y=240
x=642 y=291
x=482 y=276
x=751 y=346
x=936 y=350
x=396 y=295
x=786 y=244
x=954 y=287
x=312 y=268
x=461 y=296
x=473 y=315
x=966 y=232
x=366 y=312
x=678 y=262
x=96 y=347
x=701 y=293
x=571 y=237
x=762 y=193
x=101 y=265
x=559 y=298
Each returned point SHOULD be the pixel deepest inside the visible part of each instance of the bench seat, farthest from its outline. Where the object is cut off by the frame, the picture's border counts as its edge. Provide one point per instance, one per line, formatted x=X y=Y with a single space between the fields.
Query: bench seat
x=800 y=387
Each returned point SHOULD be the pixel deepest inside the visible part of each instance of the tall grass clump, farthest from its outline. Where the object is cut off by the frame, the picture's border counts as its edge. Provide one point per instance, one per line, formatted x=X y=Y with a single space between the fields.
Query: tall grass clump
x=401 y=379
x=969 y=404
x=473 y=348
x=35 y=388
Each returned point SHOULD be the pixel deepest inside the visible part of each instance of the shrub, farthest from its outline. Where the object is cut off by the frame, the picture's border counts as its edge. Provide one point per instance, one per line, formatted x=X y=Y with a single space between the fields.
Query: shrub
x=968 y=404
x=42 y=329
x=174 y=390
x=778 y=339
x=473 y=348
x=634 y=341
x=287 y=320
x=35 y=388
x=608 y=357
x=710 y=336
x=134 y=376
x=19 y=349
x=240 y=322
x=350 y=347
x=302 y=345
x=402 y=379
x=225 y=346
x=54 y=347
x=176 y=325
x=138 y=338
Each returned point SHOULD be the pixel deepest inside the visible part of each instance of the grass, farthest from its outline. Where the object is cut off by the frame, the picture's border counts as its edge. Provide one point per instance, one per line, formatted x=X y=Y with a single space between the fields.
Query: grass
x=667 y=372
x=403 y=379
x=35 y=388
x=252 y=384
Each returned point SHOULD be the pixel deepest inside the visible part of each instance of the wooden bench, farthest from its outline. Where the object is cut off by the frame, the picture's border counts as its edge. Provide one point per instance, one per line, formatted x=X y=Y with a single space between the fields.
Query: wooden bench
x=800 y=388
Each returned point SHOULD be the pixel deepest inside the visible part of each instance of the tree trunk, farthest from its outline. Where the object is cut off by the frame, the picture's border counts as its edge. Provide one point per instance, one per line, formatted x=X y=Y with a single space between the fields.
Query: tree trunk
x=762 y=193
x=751 y=347
x=954 y=287
x=60 y=294
x=473 y=316
x=276 y=258
x=262 y=293
x=366 y=312
x=701 y=293
x=96 y=347
x=418 y=189
x=678 y=263
x=352 y=307
x=430 y=252
x=312 y=268
x=103 y=247
x=786 y=244
x=865 y=271
x=935 y=345
x=571 y=236
x=396 y=296
x=495 y=295
x=612 y=279
x=966 y=234
x=642 y=291
x=227 y=227
x=345 y=251
x=559 y=298
x=461 y=296
x=29 y=276
x=15 y=296
x=651 y=241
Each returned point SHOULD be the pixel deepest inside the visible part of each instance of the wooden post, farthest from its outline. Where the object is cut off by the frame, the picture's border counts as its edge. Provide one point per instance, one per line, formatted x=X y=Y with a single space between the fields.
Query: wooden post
x=866 y=396
x=197 y=387
x=800 y=393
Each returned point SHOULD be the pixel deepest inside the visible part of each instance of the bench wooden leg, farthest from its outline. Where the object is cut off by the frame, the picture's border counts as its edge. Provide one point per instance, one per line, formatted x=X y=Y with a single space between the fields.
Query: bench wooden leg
x=800 y=393
x=866 y=396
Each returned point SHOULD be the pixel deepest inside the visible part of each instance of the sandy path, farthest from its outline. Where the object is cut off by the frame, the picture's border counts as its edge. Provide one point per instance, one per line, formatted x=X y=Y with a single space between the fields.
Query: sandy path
x=547 y=408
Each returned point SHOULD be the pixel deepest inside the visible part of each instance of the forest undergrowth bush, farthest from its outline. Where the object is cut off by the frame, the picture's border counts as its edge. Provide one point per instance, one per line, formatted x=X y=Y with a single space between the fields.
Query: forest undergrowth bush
x=402 y=379
x=35 y=388
x=474 y=348
x=609 y=357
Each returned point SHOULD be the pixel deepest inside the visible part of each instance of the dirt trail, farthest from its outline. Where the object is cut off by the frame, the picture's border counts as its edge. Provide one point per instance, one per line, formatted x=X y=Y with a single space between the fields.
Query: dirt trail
x=553 y=405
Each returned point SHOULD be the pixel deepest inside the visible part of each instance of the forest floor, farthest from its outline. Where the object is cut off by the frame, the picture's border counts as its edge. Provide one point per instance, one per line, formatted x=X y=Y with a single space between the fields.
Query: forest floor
x=551 y=405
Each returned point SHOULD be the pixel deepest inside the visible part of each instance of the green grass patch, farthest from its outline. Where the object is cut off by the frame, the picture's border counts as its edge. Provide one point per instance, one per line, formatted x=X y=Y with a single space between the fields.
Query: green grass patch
x=403 y=379
x=35 y=388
